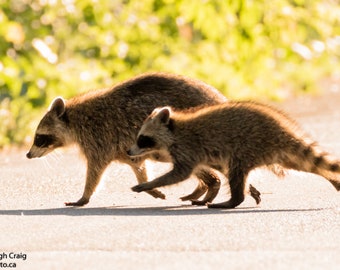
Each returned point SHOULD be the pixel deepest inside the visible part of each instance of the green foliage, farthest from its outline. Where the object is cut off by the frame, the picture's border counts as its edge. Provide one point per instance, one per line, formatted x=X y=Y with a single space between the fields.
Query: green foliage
x=245 y=48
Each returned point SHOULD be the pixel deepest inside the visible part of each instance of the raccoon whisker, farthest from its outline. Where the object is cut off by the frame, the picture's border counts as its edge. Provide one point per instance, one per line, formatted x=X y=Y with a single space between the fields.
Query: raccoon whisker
x=55 y=155
x=47 y=164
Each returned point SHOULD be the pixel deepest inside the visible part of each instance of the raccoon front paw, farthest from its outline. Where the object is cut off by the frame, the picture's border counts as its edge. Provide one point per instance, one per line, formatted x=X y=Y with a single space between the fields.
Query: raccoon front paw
x=80 y=202
x=141 y=187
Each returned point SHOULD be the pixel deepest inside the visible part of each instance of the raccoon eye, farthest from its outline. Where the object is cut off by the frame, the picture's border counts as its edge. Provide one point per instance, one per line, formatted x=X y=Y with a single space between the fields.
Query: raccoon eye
x=43 y=140
x=145 y=142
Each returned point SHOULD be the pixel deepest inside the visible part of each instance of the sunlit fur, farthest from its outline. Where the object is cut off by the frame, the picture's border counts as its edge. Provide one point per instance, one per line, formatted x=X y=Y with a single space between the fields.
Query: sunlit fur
x=234 y=138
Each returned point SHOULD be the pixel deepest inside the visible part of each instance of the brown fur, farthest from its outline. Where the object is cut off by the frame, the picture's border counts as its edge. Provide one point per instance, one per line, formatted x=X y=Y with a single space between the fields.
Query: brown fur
x=104 y=123
x=235 y=138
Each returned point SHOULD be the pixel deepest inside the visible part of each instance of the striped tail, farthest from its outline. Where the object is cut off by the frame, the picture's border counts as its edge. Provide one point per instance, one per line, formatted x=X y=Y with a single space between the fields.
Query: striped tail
x=324 y=164
x=307 y=156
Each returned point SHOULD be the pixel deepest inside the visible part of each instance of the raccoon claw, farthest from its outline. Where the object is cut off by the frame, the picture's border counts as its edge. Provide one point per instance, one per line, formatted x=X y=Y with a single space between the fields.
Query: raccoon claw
x=80 y=202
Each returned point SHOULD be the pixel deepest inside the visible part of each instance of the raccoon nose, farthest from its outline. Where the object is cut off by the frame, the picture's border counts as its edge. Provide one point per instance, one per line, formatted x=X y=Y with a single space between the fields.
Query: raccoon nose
x=128 y=152
x=29 y=155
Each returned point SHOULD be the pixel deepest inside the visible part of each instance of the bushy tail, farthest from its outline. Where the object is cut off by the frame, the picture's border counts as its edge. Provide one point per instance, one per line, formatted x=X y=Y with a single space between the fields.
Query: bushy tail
x=324 y=164
x=335 y=183
x=309 y=157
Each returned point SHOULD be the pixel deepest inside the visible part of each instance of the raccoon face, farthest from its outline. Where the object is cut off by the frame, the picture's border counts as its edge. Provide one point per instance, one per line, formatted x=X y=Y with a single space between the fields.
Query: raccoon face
x=155 y=134
x=43 y=144
x=51 y=132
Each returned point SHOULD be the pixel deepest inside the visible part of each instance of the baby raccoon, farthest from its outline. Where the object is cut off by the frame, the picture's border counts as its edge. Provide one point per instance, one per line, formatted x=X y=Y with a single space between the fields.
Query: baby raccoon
x=234 y=138
x=104 y=124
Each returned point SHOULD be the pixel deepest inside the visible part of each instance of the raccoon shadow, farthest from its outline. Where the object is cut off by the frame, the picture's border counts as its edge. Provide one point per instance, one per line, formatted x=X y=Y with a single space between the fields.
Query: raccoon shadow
x=186 y=210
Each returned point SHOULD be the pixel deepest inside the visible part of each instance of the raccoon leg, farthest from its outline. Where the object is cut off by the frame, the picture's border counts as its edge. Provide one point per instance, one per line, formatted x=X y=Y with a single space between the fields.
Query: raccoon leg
x=208 y=181
x=141 y=176
x=198 y=192
x=138 y=167
x=237 y=178
x=178 y=174
x=202 y=188
x=93 y=174
x=213 y=183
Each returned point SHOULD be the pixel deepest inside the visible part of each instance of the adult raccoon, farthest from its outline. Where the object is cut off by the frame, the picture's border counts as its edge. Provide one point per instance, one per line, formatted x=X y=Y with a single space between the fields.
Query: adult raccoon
x=234 y=138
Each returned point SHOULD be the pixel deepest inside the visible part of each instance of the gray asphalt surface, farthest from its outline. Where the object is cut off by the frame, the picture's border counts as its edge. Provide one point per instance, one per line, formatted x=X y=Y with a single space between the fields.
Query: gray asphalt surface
x=296 y=226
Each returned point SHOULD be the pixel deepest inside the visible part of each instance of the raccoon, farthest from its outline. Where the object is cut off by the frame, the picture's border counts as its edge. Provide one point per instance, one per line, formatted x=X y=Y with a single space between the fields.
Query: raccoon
x=234 y=138
x=104 y=123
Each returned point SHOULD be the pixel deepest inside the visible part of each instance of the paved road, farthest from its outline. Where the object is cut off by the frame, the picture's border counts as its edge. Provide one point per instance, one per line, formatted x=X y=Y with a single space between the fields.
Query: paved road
x=297 y=225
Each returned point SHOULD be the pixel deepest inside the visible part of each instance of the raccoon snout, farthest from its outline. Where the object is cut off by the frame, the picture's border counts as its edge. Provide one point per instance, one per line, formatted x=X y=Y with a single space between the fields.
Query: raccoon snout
x=29 y=155
x=135 y=152
x=131 y=153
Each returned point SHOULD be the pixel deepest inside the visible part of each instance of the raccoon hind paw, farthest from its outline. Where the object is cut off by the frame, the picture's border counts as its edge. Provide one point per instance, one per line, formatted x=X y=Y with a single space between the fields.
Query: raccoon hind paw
x=80 y=202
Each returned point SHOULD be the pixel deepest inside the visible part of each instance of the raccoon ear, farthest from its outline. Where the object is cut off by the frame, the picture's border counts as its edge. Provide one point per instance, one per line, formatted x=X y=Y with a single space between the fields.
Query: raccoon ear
x=164 y=115
x=58 y=106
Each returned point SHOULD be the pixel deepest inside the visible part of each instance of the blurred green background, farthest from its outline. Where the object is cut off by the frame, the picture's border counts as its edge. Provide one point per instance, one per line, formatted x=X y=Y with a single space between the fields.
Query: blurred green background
x=246 y=48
